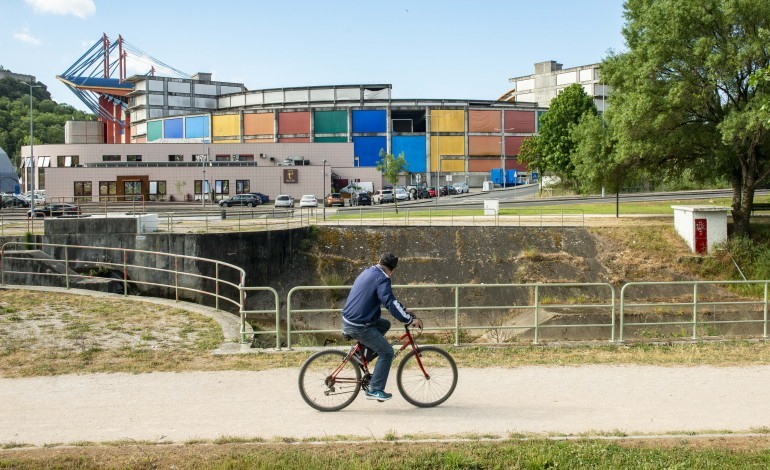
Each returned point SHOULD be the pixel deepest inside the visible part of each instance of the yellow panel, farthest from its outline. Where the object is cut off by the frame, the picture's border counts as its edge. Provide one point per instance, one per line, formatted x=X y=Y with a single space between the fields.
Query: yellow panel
x=447 y=120
x=227 y=125
x=447 y=145
x=227 y=141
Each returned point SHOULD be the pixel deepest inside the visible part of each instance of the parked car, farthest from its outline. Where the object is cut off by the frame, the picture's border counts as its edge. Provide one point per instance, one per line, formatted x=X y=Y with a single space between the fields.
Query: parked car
x=334 y=199
x=284 y=200
x=308 y=200
x=362 y=198
x=401 y=194
x=249 y=200
x=382 y=196
x=420 y=192
x=13 y=200
x=431 y=191
x=262 y=197
x=448 y=190
x=461 y=188
x=54 y=210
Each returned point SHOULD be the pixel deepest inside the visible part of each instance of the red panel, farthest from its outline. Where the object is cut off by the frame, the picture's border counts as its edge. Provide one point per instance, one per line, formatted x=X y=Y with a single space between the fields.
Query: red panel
x=296 y=140
x=701 y=236
x=483 y=164
x=513 y=163
x=513 y=145
x=519 y=121
x=294 y=123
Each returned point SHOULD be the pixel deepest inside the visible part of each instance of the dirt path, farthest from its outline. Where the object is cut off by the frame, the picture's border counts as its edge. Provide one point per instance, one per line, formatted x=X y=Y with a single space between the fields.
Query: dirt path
x=206 y=405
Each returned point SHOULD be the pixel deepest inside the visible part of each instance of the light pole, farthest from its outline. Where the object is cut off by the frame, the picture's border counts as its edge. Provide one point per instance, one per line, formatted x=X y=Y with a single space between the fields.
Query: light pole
x=502 y=151
x=323 y=190
x=31 y=184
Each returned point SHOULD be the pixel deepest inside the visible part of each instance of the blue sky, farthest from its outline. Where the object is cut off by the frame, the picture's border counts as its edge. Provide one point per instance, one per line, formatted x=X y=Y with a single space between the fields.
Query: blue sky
x=425 y=49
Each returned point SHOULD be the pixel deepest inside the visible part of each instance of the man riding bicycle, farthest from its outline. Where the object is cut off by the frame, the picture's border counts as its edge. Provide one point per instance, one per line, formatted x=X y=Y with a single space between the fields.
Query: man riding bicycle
x=361 y=318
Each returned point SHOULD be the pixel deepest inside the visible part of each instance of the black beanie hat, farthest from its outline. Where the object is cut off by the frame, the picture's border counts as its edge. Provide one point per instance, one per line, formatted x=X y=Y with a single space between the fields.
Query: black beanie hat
x=389 y=259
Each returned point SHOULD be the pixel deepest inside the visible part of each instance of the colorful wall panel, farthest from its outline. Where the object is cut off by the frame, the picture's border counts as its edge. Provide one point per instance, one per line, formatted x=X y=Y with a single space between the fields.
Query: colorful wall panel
x=295 y=140
x=196 y=127
x=173 y=128
x=226 y=125
x=294 y=123
x=484 y=121
x=258 y=124
x=519 y=121
x=367 y=149
x=484 y=164
x=513 y=145
x=447 y=120
x=330 y=122
x=370 y=121
x=413 y=147
x=447 y=145
x=331 y=139
x=154 y=130
x=260 y=141
x=484 y=145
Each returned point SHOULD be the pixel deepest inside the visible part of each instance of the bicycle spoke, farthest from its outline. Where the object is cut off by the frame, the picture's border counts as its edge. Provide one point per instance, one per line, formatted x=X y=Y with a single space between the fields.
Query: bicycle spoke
x=324 y=392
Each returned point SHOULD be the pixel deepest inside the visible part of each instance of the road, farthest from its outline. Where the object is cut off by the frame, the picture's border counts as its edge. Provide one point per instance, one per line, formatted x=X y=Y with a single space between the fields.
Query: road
x=179 y=407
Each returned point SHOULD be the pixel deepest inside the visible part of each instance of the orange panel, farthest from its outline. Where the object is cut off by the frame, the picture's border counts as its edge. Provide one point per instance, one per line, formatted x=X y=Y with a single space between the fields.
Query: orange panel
x=484 y=145
x=519 y=121
x=484 y=121
x=513 y=145
x=259 y=141
x=484 y=164
x=294 y=123
x=258 y=124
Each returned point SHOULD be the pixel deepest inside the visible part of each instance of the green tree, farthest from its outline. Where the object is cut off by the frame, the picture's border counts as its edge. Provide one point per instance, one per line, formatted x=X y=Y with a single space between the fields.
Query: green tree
x=682 y=96
x=391 y=167
x=553 y=148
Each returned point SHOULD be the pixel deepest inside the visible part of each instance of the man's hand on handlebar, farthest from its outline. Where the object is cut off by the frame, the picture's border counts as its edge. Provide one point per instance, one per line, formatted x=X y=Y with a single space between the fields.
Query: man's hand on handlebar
x=416 y=323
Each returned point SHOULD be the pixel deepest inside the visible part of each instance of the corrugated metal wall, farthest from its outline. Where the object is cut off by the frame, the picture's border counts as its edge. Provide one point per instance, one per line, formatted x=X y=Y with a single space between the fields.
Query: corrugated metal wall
x=262 y=124
x=226 y=125
x=154 y=130
x=484 y=121
x=367 y=149
x=484 y=164
x=447 y=120
x=519 y=121
x=369 y=121
x=330 y=122
x=330 y=139
x=484 y=145
x=447 y=145
x=197 y=127
x=293 y=123
x=413 y=147
x=513 y=145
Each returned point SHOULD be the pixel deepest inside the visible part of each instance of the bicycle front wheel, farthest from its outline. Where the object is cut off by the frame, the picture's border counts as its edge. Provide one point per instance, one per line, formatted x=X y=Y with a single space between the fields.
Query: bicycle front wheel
x=322 y=388
x=428 y=378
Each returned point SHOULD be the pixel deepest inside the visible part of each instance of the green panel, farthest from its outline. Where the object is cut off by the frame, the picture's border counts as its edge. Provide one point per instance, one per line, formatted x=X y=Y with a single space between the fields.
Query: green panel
x=331 y=139
x=331 y=122
x=154 y=130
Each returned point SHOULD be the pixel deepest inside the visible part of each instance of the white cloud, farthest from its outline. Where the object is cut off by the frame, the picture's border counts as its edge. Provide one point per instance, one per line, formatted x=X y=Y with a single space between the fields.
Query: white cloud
x=80 y=8
x=24 y=36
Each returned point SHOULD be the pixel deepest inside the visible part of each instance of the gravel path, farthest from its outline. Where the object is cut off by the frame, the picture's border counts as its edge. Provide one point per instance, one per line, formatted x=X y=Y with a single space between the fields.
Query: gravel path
x=206 y=405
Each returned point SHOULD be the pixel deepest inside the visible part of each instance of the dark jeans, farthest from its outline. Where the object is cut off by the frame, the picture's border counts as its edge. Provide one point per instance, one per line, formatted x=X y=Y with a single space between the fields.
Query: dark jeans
x=373 y=337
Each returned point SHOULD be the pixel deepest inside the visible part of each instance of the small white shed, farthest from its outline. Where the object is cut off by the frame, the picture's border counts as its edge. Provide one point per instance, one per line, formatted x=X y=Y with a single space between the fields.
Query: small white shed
x=702 y=227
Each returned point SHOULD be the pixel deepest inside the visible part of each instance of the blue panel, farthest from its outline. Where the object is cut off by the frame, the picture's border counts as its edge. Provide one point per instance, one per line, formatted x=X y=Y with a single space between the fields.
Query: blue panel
x=413 y=147
x=172 y=129
x=367 y=149
x=196 y=127
x=369 y=121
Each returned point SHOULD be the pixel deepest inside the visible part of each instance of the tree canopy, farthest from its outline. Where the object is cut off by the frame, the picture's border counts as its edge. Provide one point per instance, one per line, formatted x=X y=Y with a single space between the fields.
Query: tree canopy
x=391 y=167
x=552 y=149
x=682 y=95
x=47 y=115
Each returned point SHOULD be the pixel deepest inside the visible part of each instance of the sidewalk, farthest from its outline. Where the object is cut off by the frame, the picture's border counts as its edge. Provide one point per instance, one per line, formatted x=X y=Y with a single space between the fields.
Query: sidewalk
x=179 y=407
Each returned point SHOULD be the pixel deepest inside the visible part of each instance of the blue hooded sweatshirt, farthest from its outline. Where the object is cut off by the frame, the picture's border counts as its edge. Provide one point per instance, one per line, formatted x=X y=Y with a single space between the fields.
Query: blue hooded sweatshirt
x=370 y=290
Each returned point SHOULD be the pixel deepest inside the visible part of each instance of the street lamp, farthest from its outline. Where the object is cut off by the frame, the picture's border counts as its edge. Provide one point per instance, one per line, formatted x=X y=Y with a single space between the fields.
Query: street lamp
x=204 y=157
x=323 y=191
x=31 y=147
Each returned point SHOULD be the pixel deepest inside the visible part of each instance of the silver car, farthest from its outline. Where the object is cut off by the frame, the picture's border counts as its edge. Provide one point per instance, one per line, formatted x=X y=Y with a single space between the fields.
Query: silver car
x=284 y=200
x=461 y=187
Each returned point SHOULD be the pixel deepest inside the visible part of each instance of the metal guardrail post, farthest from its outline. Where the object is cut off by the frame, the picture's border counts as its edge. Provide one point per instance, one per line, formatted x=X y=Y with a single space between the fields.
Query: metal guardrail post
x=457 y=315
x=216 y=286
x=695 y=311
x=125 y=273
x=537 y=314
x=176 y=278
x=288 y=319
x=66 y=268
x=764 y=333
x=612 y=322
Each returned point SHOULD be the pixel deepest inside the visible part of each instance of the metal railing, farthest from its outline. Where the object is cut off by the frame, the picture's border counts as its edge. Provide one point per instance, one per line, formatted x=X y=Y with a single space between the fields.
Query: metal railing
x=176 y=273
x=463 y=304
x=246 y=315
x=689 y=303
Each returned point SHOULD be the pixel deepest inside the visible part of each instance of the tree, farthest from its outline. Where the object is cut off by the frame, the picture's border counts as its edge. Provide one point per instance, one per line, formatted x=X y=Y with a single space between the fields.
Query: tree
x=552 y=149
x=391 y=167
x=682 y=96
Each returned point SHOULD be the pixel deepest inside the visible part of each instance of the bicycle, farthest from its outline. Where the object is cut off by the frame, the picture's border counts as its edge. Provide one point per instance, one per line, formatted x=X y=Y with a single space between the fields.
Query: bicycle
x=330 y=380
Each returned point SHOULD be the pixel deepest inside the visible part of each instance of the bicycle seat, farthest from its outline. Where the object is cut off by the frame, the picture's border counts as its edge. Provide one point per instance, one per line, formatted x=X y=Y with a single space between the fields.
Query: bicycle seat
x=347 y=337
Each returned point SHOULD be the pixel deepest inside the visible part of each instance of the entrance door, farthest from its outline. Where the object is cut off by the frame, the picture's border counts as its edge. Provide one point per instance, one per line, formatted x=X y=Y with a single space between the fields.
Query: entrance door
x=132 y=190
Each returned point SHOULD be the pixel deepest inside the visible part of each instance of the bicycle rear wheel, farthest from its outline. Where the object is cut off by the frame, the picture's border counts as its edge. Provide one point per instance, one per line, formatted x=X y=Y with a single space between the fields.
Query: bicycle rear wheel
x=431 y=384
x=323 y=391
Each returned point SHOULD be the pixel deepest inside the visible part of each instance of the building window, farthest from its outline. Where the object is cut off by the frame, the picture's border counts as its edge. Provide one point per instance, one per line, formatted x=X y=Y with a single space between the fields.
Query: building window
x=222 y=187
x=242 y=186
x=83 y=190
x=67 y=160
x=133 y=158
x=222 y=158
x=110 y=158
x=108 y=190
x=245 y=158
x=176 y=158
x=157 y=190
